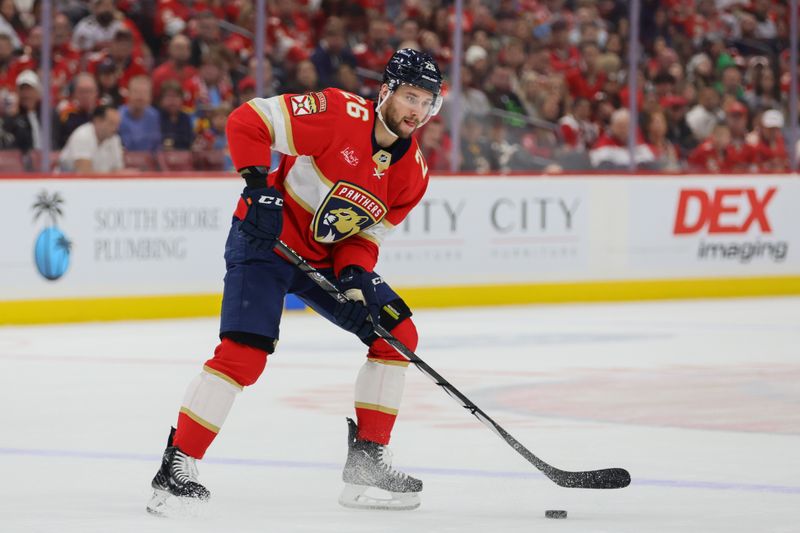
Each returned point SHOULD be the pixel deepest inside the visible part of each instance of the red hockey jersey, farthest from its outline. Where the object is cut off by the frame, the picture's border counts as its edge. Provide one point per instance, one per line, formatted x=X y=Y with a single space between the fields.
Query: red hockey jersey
x=343 y=192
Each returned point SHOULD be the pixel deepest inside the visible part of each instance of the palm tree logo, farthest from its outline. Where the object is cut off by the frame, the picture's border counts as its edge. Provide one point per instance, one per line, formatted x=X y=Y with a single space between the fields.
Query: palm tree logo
x=52 y=248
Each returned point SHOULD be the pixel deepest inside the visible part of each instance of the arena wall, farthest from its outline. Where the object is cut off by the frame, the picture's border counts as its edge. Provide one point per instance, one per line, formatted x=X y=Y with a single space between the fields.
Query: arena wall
x=139 y=246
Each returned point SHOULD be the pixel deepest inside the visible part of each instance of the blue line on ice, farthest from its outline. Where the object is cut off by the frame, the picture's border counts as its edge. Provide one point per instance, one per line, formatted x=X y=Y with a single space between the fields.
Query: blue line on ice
x=461 y=472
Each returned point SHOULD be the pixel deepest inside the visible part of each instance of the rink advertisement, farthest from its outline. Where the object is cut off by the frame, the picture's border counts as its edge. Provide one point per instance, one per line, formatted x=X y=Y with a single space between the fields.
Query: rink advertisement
x=716 y=226
x=512 y=229
x=81 y=238
x=138 y=246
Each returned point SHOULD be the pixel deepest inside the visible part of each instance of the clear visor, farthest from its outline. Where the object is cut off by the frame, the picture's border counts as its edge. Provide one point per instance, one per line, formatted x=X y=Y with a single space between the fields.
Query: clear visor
x=427 y=106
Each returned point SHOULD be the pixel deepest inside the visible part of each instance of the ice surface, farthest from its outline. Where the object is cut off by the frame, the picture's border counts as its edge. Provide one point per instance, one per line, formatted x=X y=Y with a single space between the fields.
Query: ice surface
x=699 y=400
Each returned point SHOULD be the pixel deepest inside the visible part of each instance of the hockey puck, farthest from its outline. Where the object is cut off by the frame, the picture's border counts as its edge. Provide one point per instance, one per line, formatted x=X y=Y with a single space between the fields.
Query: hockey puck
x=555 y=514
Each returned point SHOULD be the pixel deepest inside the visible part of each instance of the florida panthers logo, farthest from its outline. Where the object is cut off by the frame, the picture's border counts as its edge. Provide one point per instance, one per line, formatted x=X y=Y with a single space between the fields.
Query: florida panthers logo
x=346 y=210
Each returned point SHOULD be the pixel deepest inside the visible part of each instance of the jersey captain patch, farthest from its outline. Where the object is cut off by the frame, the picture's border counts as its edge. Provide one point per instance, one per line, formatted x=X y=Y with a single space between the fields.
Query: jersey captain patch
x=346 y=210
x=308 y=104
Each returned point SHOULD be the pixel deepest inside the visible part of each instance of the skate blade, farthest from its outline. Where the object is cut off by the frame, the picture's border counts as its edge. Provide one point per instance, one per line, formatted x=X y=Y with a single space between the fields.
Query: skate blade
x=164 y=504
x=363 y=497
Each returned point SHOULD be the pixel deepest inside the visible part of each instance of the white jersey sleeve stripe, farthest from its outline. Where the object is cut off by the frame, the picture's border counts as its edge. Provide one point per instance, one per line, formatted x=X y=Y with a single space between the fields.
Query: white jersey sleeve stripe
x=288 y=124
x=364 y=235
x=273 y=112
x=267 y=122
x=378 y=232
x=308 y=186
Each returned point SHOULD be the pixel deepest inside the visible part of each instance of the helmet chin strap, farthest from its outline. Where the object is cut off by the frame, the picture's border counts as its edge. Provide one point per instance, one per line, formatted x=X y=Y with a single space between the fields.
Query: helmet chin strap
x=382 y=101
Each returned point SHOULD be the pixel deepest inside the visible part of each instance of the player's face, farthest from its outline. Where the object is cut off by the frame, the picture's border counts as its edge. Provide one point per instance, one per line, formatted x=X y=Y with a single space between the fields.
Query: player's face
x=406 y=109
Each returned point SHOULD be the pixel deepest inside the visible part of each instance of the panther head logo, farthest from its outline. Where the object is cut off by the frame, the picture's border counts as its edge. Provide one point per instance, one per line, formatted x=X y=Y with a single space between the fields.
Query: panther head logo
x=345 y=211
x=345 y=220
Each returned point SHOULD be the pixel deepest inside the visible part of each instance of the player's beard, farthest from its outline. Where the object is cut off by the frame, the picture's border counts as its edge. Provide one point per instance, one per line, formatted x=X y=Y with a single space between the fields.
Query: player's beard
x=396 y=122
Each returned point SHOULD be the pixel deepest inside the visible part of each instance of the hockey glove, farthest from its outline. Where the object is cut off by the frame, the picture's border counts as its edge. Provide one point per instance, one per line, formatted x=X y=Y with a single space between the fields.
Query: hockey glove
x=362 y=311
x=263 y=221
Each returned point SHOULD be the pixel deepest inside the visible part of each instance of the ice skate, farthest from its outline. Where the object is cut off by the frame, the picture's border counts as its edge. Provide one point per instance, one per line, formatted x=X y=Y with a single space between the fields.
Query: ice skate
x=371 y=482
x=177 y=491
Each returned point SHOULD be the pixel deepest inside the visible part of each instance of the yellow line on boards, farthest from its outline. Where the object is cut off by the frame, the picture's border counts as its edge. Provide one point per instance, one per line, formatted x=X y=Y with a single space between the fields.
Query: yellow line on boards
x=600 y=291
x=103 y=309
x=180 y=306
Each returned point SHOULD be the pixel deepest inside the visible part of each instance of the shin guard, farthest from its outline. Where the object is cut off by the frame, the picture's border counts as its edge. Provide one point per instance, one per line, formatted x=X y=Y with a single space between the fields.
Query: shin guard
x=211 y=394
x=380 y=384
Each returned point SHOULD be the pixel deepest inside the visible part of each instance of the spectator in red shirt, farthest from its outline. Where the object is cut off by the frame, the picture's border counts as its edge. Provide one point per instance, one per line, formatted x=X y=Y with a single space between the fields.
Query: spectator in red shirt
x=435 y=143
x=121 y=54
x=246 y=89
x=712 y=154
x=171 y=17
x=289 y=31
x=662 y=57
x=63 y=49
x=62 y=69
x=586 y=80
x=769 y=144
x=611 y=149
x=6 y=58
x=663 y=84
x=243 y=47
x=577 y=129
x=375 y=51
x=742 y=156
x=563 y=55
x=697 y=20
x=602 y=108
x=177 y=67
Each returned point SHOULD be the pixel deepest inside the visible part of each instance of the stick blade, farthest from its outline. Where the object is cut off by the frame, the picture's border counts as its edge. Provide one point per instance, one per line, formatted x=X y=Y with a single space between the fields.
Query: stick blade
x=607 y=478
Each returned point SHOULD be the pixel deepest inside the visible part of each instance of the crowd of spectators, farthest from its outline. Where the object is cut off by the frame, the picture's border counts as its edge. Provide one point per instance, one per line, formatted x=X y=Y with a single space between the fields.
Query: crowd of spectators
x=149 y=84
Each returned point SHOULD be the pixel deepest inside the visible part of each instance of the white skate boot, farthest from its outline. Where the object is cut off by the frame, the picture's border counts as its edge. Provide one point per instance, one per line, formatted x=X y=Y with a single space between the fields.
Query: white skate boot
x=371 y=482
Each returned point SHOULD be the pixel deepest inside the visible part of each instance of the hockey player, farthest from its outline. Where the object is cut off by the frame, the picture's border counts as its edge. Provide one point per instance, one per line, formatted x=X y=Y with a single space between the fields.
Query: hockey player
x=350 y=171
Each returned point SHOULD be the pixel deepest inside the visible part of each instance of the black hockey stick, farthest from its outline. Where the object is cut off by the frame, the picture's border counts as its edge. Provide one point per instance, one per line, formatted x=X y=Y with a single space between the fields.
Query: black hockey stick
x=607 y=478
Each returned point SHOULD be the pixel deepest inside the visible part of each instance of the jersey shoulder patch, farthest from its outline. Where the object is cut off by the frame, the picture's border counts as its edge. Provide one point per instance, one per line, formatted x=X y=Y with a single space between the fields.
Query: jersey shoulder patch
x=308 y=104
